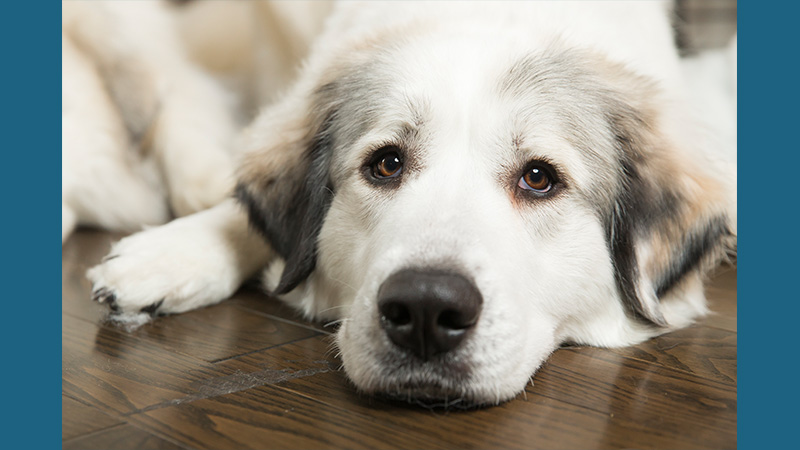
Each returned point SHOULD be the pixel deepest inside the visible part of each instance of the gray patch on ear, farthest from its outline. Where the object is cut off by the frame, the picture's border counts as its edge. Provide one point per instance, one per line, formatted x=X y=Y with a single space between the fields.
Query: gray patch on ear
x=633 y=213
x=290 y=208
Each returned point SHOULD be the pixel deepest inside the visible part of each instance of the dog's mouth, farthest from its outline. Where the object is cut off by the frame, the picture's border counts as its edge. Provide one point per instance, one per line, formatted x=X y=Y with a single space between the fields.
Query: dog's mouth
x=443 y=382
x=431 y=386
x=431 y=398
x=441 y=385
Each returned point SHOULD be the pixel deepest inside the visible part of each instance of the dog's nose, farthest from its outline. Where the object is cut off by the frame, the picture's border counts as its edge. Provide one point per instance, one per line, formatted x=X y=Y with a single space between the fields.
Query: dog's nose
x=428 y=312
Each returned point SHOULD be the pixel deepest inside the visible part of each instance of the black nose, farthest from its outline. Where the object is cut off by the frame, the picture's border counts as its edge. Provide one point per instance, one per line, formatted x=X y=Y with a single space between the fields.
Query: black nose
x=428 y=312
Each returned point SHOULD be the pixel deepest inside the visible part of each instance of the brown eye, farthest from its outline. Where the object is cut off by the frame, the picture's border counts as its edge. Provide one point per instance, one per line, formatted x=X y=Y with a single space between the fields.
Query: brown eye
x=536 y=179
x=388 y=165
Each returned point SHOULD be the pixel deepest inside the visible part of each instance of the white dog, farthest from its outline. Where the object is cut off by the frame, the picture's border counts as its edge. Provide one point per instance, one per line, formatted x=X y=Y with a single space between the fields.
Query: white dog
x=466 y=186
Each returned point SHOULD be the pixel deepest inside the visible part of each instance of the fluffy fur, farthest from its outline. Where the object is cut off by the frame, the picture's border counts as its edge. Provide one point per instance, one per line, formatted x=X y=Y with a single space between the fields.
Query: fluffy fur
x=470 y=94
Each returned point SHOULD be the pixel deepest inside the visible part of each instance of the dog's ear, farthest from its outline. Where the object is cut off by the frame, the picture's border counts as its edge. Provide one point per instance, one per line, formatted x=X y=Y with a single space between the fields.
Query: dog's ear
x=284 y=183
x=673 y=212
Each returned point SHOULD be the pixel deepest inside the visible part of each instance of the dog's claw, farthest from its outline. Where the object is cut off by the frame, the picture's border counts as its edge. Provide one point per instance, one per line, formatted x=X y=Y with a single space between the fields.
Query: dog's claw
x=103 y=295
x=100 y=295
x=152 y=309
x=97 y=295
x=108 y=258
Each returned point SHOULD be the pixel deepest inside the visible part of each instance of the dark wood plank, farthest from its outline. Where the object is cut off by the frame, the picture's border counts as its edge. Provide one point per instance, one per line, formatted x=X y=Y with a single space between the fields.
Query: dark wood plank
x=721 y=295
x=118 y=373
x=706 y=352
x=123 y=437
x=220 y=332
x=121 y=373
x=698 y=413
x=78 y=419
x=270 y=417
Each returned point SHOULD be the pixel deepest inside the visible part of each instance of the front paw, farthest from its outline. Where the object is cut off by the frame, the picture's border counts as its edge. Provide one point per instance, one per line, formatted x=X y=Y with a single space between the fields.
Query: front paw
x=111 y=288
x=163 y=270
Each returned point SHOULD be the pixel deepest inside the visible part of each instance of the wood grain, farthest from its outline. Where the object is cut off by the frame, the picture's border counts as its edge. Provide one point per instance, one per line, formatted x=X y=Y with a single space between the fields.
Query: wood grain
x=696 y=412
x=274 y=418
x=721 y=295
x=707 y=352
x=80 y=419
x=220 y=332
x=118 y=373
x=122 y=436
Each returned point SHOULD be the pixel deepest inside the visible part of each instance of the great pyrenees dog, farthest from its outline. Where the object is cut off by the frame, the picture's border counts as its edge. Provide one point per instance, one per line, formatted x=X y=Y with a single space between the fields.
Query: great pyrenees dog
x=464 y=186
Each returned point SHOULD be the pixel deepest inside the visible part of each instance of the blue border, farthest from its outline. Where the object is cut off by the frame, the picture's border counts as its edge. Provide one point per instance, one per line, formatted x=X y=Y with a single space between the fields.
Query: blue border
x=30 y=183
x=768 y=230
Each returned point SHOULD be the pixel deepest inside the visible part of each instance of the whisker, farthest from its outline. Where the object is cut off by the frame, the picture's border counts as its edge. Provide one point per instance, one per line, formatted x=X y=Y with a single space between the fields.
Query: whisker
x=342 y=283
x=331 y=308
x=333 y=322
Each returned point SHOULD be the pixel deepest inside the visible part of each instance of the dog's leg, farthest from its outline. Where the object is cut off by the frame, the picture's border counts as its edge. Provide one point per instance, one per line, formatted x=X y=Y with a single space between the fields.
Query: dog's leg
x=188 y=263
x=167 y=102
x=102 y=180
x=193 y=128
x=193 y=140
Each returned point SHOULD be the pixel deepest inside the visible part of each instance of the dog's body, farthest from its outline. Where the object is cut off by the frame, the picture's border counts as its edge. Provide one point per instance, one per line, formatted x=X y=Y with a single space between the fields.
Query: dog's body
x=464 y=186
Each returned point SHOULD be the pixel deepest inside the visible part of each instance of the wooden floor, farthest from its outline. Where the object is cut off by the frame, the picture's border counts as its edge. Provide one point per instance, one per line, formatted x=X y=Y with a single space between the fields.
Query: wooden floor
x=248 y=373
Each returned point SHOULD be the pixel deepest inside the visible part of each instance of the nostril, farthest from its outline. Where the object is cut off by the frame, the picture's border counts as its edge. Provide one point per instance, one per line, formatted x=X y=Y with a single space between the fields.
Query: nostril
x=453 y=320
x=396 y=313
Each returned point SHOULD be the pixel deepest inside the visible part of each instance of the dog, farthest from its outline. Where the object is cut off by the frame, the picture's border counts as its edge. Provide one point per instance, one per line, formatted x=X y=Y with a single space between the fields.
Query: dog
x=463 y=186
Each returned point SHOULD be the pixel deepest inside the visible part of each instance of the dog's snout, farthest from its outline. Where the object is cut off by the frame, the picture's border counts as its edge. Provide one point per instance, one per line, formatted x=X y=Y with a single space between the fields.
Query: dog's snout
x=428 y=312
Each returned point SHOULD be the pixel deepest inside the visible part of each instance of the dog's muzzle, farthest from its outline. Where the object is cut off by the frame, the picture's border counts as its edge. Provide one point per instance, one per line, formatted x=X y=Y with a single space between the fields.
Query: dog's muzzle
x=428 y=312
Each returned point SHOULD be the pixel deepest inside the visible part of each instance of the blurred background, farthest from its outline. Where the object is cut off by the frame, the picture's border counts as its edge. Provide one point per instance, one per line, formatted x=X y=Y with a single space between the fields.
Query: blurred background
x=704 y=24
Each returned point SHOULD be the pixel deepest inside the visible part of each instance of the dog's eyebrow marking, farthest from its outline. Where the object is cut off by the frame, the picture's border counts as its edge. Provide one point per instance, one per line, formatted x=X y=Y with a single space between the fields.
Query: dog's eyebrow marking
x=419 y=109
x=408 y=136
x=521 y=73
x=365 y=102
x=534 y=69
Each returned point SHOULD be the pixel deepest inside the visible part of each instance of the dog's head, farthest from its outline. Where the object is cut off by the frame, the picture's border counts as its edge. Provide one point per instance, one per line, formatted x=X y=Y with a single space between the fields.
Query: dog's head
x=464 y=211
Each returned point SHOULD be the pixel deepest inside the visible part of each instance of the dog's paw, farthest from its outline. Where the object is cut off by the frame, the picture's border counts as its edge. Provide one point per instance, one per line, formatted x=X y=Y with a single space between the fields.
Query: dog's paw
x=168 y=269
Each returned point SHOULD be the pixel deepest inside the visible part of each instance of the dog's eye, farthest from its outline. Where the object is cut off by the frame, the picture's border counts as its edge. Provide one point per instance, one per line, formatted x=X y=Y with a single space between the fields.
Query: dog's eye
x=537 y=179
x=387 y=165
